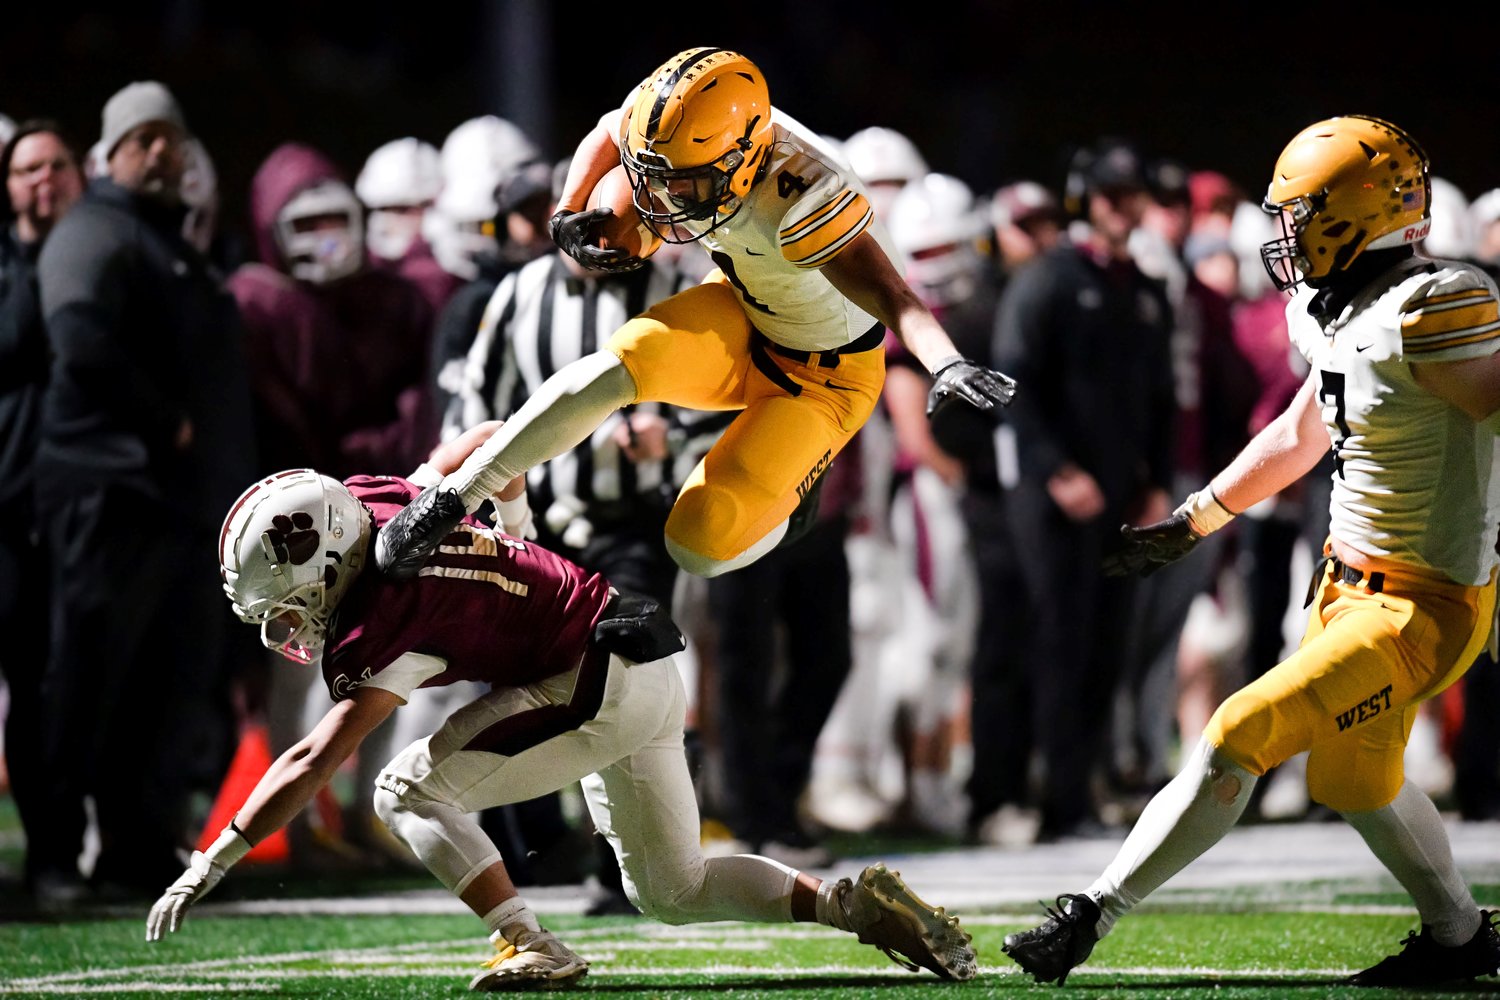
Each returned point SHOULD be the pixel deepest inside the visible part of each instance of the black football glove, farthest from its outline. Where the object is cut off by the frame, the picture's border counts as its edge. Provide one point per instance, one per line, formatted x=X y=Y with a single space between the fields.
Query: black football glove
x=980 y=387
x=406 y=541
x=1151 y=546
x=576 y=234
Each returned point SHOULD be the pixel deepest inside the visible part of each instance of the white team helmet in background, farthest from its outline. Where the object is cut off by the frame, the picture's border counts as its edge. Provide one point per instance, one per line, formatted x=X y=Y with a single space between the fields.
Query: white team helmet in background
x=476 y=156
x=886 y=160
x=200 y=193
x=321 y=232
x=936 y=226
x=398 y=183
x=1452 y=233
x=289 y=550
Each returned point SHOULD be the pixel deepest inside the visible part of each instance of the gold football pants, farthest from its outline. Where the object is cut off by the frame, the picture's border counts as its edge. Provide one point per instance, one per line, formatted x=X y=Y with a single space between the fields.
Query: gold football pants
x=1349 y=694
x=694 y=350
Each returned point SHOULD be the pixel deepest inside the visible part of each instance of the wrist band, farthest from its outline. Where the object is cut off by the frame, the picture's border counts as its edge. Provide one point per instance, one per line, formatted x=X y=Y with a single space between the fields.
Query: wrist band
x=231 y=846
x=947 y=362
x=1205 y=511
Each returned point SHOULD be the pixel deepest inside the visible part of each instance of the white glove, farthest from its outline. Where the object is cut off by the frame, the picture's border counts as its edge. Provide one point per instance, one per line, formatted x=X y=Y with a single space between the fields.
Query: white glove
x=203 y=873
x=191 y=886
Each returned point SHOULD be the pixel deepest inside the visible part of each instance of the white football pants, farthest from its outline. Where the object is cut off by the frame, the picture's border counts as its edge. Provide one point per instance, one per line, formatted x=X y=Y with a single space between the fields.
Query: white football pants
x=630 y=759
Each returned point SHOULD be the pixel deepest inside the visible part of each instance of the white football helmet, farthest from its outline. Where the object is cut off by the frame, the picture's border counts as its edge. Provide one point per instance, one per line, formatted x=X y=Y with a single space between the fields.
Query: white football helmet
x=476 y=156
x=288 y=552
x=1452 y=234
x=398 y=182
x=200 y=193
x=937 y=228
x=878 y=154
x=886 y=161
x=321 y=233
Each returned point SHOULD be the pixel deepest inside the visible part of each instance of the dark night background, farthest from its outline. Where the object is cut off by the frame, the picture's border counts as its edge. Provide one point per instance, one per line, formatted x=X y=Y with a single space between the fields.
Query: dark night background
x=990 y=92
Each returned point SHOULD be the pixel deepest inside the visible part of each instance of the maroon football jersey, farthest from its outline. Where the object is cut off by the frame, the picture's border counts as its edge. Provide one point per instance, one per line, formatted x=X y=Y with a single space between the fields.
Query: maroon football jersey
x=497 y=609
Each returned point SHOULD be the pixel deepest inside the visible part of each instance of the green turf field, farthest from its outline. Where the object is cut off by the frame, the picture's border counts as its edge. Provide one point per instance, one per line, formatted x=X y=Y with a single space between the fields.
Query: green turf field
x=1241 y=947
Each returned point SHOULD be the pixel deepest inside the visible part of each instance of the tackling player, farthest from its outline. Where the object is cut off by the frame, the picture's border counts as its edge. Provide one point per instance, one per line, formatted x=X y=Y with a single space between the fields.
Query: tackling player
x=1405 y=384
x=583 y=688
x=787 y=327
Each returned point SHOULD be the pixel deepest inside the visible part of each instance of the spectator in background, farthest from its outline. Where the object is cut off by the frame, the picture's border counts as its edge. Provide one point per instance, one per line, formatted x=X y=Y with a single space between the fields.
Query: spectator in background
x=398 y=185
x=936 y=226
x=886 y=160
x=337 y=353
x=43 y=180
x=146 y=436
x=1087 y=334
x=1184 y=633
x=1027 y=221
x=337 y=349
x=489 y=168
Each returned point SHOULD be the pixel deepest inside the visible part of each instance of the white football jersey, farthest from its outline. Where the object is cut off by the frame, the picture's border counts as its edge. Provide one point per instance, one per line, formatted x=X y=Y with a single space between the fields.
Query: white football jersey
x=805 y=209
x=1416 y=480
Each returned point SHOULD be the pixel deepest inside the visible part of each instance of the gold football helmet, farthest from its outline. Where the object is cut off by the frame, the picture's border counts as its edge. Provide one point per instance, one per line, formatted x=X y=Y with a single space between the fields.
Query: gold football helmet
x=1341 y=187
x=694 y=140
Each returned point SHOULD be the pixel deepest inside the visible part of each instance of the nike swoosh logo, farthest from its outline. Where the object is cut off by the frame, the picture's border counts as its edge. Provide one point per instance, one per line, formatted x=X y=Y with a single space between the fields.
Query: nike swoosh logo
x=752 y=253
x=840 y=388
x=1362 y=347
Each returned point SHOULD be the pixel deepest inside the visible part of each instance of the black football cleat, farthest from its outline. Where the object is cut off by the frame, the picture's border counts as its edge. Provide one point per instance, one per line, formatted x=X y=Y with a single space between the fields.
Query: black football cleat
x=1051 y=951
x=1423 y=962
x=408 y=540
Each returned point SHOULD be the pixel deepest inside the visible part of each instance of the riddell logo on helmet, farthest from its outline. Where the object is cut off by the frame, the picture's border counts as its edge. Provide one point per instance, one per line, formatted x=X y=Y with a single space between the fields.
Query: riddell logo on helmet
x=1414 y=233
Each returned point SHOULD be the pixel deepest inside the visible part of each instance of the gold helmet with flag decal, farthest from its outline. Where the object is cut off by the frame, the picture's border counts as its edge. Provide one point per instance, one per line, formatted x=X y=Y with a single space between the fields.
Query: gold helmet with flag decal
x=1343 y=186
x=694 y=139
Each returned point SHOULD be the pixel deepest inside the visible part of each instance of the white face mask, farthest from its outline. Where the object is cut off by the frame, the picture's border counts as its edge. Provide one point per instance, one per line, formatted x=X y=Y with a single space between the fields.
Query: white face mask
x=324 y=255
x=321 y=233
x=390 y=235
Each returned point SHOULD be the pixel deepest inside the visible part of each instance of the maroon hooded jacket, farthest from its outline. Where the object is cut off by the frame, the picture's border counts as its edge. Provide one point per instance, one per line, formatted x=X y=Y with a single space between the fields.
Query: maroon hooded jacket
x=338 y=371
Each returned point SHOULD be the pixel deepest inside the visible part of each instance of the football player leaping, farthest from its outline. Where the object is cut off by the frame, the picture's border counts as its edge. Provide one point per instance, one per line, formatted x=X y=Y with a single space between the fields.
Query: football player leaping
x=786 y=328
x=1405 y=383
x=583 y=688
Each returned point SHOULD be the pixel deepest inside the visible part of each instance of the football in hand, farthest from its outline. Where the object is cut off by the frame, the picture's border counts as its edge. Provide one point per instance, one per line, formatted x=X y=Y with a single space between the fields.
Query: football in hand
x=625 y=230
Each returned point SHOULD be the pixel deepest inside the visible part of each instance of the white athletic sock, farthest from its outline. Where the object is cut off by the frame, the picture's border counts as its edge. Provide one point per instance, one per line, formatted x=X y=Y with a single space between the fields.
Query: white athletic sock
x=564 y=410
x=508 y=915
x=1180 y=822
x=1409 y=839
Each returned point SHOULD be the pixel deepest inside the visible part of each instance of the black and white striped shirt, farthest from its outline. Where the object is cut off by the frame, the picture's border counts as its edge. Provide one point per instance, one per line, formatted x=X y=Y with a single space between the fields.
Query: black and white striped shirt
x=541 y=318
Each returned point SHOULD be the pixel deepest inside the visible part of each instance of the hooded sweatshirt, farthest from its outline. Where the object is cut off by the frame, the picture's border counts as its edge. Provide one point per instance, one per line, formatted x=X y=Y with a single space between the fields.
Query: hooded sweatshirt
x=338 y=370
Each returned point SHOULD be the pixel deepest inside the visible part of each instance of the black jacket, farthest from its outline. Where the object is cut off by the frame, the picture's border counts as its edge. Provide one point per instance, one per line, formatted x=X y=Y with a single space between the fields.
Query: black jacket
x=1089 y=347
x=23 y=366
x=143 y=337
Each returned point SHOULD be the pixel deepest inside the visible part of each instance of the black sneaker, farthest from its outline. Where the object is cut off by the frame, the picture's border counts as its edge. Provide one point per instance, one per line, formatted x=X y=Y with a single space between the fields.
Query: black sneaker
x=1052 y=950
x=406 y=541
x=1423 y=962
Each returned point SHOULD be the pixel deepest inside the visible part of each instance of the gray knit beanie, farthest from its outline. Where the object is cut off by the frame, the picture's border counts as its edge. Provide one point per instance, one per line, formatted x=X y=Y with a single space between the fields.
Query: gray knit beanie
x=135 y=104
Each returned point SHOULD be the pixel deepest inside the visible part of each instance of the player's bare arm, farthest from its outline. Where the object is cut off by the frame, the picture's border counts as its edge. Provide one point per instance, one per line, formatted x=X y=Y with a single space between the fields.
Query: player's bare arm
x=1285 y=450
x=295 y=777
x=865 y=275
x=288 y=785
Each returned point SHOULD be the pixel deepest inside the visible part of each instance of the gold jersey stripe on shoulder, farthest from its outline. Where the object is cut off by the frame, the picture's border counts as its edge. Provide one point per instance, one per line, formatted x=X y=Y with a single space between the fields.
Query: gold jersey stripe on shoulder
x=820 y=237
x=1456 y=319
